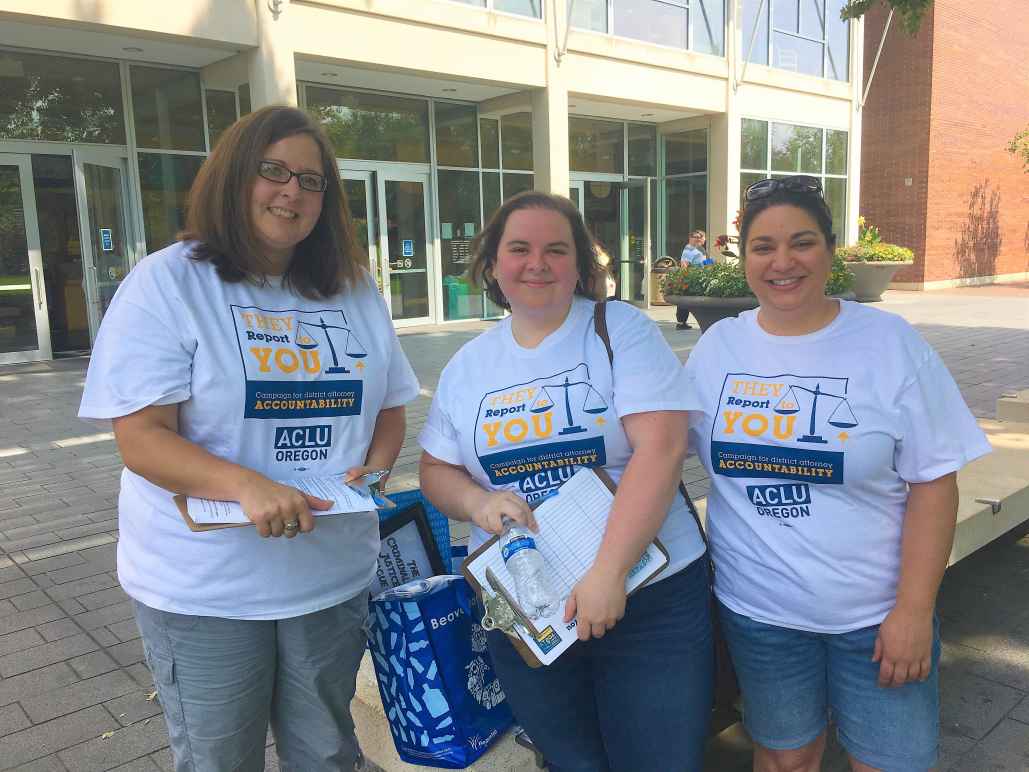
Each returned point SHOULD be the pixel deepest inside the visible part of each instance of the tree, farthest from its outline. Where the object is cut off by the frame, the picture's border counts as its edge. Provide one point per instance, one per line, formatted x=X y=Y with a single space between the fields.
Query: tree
x=1019 y=147
x=910 y=12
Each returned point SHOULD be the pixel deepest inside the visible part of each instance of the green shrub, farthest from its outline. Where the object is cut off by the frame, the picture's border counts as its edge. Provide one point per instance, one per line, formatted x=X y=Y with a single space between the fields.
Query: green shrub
x=727 y=280
x=875 y=253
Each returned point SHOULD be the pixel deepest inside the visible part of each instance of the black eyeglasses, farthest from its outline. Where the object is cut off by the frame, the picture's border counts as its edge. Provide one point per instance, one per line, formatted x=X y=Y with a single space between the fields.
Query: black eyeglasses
x=799 y=183
x=273 y=171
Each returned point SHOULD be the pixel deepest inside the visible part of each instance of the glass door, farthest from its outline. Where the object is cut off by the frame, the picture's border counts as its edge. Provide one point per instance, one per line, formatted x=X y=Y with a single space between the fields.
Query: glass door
x=24 y=322
x=634 y=286
x=101 y=180
x=575 y=193
x=403 y=231
x=360 y=192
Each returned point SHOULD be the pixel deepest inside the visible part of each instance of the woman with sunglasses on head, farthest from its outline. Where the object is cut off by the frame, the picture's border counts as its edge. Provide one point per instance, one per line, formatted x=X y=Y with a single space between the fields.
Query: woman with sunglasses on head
x=255 y=349
x=517 y=411
x=833 y=434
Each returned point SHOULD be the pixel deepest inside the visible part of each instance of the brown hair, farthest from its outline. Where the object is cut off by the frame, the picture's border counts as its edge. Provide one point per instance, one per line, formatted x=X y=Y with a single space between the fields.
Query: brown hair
x=486 y=244
x=219 y=218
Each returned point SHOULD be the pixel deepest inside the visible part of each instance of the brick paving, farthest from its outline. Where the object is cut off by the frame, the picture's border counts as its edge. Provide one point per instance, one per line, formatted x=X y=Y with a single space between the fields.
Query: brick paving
x=73 y=687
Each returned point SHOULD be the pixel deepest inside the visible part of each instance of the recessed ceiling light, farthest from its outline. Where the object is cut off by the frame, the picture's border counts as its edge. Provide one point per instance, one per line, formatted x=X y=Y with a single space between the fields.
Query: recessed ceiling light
x=450 y=90
x=330 y=74
x=133 y=49
x=646 y=115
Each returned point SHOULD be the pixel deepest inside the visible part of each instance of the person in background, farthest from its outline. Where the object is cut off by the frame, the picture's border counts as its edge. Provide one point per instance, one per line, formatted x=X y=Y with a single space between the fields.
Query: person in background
x=216 y=366
x=692 y=254
x=635 y=693
x=832 y=433
x=605 y=284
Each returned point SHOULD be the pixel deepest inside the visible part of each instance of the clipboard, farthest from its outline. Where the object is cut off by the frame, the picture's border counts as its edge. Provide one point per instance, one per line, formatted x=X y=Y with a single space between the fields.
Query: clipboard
x=497 y=587
x=381 y=502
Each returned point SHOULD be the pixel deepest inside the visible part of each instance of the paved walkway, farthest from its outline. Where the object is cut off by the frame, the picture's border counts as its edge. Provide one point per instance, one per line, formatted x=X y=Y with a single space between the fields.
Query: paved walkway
x=73 y=689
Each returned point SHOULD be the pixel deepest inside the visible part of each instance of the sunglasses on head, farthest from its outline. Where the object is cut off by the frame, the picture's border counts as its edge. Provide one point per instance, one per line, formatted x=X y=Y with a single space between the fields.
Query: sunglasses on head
x=799 y=183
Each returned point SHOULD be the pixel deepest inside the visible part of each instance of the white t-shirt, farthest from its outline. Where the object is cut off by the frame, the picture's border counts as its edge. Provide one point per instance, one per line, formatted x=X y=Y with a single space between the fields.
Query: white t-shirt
x=525 y=420
x=264 y=378
x=810 y=442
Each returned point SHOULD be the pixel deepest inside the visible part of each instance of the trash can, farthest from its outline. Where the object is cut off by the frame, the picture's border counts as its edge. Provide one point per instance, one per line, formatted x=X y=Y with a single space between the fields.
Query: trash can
x=456 y=291
x=661 y=266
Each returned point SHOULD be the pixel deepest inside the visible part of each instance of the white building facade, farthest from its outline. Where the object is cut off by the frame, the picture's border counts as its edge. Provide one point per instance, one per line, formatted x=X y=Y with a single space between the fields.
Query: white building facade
x=650 y=114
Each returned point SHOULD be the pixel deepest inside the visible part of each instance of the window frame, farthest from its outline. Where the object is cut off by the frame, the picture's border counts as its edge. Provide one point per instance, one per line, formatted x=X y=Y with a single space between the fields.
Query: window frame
x=690 y=6
x=822 y=175
x=489 y=7
x=768 y=20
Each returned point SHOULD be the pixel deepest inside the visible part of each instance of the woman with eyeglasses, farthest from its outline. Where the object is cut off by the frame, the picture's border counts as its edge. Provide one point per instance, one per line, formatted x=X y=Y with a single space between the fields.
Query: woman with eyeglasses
x=833 y=434
x=255 y=349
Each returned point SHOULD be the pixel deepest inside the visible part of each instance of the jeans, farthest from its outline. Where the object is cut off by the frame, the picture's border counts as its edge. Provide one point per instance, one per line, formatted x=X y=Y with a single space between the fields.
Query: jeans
x=222 y=681
x=792 y=680
x=637 y=700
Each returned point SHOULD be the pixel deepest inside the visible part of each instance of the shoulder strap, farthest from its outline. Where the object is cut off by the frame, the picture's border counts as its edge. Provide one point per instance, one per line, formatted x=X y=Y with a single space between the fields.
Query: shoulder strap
x=600 y=326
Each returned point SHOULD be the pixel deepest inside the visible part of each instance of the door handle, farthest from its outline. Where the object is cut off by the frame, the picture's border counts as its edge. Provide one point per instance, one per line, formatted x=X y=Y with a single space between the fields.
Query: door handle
x=39 y=294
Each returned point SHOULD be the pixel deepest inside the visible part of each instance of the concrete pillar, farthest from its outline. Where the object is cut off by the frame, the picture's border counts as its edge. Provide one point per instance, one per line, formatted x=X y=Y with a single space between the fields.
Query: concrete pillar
x=550 y=111
x=857 y=69
x=724 y=145
x=273 y=75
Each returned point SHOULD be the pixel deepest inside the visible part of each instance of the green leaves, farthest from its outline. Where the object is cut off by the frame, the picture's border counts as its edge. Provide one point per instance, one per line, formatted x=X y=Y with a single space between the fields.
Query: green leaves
x=911 y=12
x=879 y=252
x=728 y=280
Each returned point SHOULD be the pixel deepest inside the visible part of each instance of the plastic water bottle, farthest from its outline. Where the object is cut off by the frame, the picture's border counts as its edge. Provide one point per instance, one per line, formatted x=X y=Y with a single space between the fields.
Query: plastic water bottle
x=536 y=594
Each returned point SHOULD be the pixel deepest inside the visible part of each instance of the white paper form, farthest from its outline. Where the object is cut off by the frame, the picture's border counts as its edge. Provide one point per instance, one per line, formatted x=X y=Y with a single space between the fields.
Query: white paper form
x=571 y=528
x=345 y=499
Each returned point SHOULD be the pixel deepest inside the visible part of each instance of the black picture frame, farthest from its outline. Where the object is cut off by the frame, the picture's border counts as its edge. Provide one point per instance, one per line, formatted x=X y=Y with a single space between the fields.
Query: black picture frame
x=408 y=550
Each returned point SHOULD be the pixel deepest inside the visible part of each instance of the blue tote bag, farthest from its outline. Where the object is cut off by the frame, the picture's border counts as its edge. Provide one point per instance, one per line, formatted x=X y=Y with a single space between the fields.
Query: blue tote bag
x=442 y=698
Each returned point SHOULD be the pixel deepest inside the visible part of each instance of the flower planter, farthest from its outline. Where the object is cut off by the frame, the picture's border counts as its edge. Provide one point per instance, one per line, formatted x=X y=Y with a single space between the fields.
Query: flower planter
x=872 y=279
x=707 y=310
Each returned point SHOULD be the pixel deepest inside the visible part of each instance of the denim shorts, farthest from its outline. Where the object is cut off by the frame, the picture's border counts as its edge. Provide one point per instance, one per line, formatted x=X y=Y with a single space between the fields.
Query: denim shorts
x=793 y=681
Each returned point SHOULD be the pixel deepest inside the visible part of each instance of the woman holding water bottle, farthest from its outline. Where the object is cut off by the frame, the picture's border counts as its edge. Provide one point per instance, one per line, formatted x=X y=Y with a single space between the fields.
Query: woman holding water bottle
x=517 y=411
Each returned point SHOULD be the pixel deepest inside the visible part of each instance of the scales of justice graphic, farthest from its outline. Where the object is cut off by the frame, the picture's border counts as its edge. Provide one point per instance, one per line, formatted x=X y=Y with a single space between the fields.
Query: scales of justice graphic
x=842 y=417
x=304 y=338
x=592 y=402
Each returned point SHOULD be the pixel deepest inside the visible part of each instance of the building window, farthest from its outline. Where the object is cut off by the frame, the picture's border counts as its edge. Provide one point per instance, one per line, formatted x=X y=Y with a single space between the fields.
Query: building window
x=221 y=113
x=60 y=99
x=782 y=149
x=642 y=150
x=533 y=8
x=698 y=25
x=489 y=131
x=596 y=146
x=374 y=127
x=164 y=183
x=685 y=187
x=516 y=142
x=456 y=140
x=458 y=224
x=805 y=36
x=167 y=108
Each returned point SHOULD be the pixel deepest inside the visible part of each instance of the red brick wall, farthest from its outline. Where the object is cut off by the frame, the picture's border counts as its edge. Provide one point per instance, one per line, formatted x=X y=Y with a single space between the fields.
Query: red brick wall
x=978 y=213
x=895 y=130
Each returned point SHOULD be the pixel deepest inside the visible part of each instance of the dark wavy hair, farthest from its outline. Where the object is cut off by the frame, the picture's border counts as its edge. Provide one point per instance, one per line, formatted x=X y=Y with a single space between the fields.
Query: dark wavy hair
x=219 y=216
x=812 y=203
x=486 y=244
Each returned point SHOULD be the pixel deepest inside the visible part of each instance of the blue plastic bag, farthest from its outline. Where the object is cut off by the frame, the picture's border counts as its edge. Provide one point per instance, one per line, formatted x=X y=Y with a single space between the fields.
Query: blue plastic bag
x=442 y=698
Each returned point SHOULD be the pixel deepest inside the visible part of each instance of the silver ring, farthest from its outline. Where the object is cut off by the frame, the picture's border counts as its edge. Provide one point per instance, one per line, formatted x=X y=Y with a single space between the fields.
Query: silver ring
x=292 y=525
